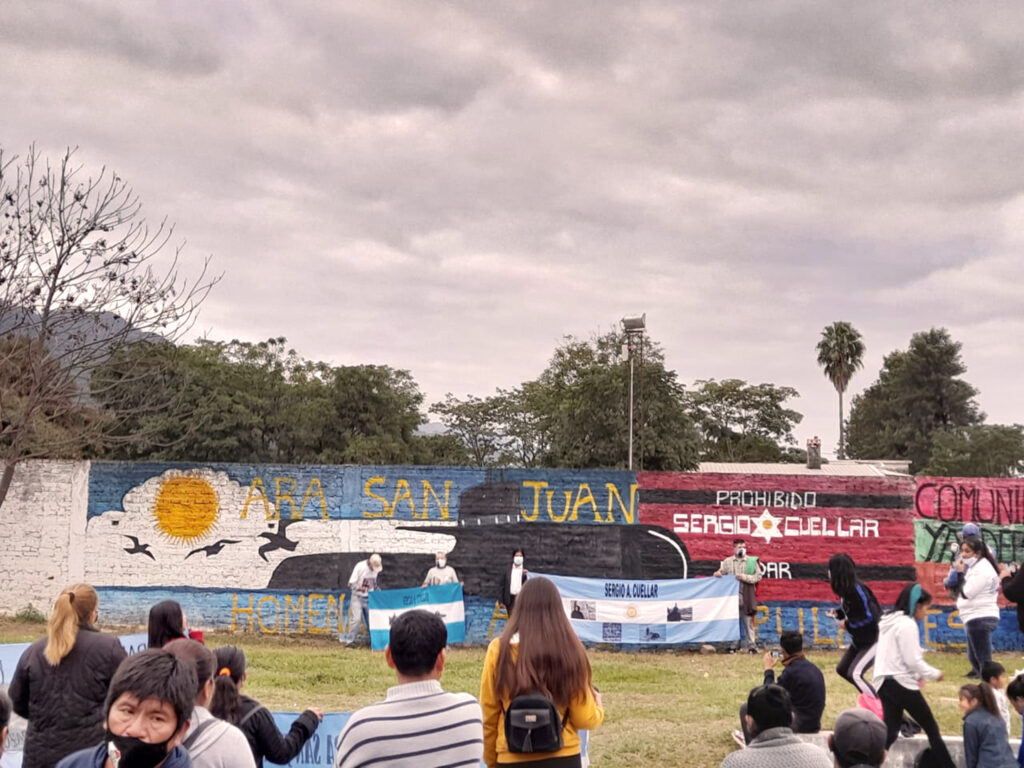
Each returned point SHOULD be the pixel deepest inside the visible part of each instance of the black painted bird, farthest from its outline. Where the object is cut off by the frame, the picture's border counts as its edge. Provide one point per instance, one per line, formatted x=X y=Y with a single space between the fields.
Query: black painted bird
x=138 y=549
x=277 y=540
x=212 y=549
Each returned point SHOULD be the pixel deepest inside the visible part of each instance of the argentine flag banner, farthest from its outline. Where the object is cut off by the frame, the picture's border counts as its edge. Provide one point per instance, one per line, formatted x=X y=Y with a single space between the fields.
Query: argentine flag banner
x=657 y=612
x=387 y=604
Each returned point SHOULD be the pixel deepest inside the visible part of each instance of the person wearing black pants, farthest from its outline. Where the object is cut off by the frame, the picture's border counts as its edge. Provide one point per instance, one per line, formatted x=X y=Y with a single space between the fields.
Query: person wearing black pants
x=859 y=614
x=900 y=669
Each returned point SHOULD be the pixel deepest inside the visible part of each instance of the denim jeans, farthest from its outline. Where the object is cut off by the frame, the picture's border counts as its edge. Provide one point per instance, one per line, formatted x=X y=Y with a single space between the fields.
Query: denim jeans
x=979 y=644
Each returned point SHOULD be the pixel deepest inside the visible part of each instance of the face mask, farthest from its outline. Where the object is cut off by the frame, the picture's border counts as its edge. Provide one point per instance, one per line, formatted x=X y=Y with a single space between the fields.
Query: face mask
x=517 y=560
x=130 y=752
x=970 y=560
x=441 y=562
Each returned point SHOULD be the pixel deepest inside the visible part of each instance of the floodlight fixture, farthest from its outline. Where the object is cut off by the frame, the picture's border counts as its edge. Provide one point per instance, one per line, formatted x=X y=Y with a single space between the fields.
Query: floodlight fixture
x=634 y=324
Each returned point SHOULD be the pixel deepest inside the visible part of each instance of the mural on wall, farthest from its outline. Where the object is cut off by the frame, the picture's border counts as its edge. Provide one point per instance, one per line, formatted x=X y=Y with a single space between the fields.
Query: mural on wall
x=942 y=505
x=792 y=523
x=270 y=548
x=302 y=529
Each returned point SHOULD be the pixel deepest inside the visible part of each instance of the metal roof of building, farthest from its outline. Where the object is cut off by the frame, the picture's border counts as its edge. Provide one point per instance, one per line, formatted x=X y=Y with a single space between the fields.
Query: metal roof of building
x=835 y=468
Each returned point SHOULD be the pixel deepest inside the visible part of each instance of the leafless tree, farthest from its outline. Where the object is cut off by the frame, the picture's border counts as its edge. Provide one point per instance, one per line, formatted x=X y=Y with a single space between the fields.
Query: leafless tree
x=83 y=277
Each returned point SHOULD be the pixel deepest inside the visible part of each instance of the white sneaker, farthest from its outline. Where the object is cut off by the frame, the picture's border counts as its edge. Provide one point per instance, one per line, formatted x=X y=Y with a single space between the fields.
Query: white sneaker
x=737 y=736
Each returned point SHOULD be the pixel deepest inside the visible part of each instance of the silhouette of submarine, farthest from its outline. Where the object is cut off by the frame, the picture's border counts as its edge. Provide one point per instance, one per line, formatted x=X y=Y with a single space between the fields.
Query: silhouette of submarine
x=489 y=530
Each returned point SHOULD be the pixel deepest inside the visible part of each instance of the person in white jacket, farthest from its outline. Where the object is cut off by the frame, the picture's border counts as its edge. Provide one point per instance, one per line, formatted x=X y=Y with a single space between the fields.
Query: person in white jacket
x=978 y=600
x=900 y=670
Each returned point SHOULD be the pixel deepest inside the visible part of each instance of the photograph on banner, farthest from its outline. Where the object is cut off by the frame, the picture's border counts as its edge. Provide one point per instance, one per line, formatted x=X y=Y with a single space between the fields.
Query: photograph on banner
x=443 y=599
x=664 y=611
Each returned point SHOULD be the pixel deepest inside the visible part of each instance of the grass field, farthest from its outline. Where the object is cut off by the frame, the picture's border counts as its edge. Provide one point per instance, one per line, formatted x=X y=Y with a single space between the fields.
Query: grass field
x=661 y=708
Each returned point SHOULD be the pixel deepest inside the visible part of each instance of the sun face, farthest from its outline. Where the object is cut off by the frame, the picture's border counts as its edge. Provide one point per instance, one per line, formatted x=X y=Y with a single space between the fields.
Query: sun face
x=185 y=509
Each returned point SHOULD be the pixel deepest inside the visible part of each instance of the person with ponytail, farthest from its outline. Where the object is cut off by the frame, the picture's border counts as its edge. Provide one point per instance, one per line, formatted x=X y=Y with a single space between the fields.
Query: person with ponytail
x=859 y=614
x=61 y=681
x=900 y=670
x=251 y=717
x=986 y=744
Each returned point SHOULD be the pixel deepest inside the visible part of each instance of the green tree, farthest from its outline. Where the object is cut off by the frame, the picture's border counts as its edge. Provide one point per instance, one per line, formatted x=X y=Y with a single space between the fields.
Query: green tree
x=918 y=394
x=840 y=354
x=263 y=403
x=476 y=423
x=581 y=402
x=744 y=422
x=985 y=450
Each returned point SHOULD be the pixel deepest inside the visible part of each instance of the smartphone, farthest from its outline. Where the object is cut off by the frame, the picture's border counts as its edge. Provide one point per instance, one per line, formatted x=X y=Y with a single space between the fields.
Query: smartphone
x=776 y=654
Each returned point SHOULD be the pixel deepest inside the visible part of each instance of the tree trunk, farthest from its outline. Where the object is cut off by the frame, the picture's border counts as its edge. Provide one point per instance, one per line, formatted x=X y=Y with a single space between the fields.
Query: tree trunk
x=841 y=453
x=6 y=478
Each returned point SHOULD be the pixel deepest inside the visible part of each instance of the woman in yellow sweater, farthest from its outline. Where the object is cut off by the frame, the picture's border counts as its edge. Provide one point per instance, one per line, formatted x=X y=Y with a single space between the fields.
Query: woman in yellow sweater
x=538 y=653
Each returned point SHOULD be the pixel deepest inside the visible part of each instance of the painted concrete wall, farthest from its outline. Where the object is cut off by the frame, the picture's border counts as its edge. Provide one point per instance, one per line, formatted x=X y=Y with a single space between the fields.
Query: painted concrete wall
x=269 y=549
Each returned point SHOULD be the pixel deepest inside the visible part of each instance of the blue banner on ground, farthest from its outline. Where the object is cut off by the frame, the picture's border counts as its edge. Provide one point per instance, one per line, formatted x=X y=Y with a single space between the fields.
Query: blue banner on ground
x=444 y=599
x=657 y=612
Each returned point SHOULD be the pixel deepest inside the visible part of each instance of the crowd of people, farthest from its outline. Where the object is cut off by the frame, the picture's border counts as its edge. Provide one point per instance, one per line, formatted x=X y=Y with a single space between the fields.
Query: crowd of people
x=179 y=703
x=890 y=644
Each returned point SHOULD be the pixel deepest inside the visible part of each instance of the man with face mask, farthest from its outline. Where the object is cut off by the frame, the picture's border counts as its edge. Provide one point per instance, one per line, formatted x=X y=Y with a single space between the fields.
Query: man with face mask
x=441 y=573
x=745 y=569
x=146 y=714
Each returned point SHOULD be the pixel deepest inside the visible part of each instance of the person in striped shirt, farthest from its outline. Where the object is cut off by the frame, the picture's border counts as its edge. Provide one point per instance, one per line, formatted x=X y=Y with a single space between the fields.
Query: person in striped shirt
x=418 y=724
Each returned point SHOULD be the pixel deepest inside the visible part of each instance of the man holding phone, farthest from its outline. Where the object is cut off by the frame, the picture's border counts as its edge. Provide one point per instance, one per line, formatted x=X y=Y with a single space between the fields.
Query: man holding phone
x=802 y=680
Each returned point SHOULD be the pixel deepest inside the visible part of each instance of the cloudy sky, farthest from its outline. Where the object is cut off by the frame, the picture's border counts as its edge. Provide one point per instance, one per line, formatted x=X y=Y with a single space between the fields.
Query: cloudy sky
x=452 y=187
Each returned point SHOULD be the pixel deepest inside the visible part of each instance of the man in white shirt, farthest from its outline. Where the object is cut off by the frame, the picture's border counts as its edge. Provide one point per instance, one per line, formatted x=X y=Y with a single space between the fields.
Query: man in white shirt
x=361 y=583
x=441 y=573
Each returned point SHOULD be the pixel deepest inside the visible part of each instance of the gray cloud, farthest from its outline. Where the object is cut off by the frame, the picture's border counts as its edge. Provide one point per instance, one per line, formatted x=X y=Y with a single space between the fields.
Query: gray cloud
x=452 y=187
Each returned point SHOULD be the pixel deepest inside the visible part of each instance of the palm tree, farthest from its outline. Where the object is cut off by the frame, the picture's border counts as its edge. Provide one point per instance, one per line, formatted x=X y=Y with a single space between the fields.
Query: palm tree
x=840 y=354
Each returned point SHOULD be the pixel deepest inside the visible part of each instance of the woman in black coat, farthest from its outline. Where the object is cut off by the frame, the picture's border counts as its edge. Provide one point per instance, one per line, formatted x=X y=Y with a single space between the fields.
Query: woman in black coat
x=61 y=680
x=254 y=719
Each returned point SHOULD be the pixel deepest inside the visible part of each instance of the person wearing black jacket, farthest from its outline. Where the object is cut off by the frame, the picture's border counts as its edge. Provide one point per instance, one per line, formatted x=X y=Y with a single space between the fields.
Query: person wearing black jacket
x=802 y=680
x=61 y=680
x=859 y=614
x=254 y=719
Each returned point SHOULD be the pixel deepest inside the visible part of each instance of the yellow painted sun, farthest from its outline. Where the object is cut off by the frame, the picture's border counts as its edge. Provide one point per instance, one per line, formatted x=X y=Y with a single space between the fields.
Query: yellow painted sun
x=185 y=508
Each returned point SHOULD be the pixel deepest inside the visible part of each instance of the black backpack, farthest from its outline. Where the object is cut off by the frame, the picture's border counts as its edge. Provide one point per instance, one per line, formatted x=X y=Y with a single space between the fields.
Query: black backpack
x=532 y=724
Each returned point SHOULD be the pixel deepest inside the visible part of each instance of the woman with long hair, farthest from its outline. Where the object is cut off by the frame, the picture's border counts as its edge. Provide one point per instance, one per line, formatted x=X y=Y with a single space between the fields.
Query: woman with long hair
x=538 y=653
x=859 y=614
x=985 y=739
x=61 y=680
x=166 y=623
x=900 y=670
x=251 y=717
x=977 y=600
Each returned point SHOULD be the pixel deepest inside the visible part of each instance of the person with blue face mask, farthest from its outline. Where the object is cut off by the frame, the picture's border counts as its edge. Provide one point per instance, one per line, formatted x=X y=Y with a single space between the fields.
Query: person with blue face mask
x=146 y=715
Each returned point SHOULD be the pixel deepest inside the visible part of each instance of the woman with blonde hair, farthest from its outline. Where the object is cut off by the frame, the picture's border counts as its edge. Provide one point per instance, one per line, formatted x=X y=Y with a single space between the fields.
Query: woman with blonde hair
x=538 y=653
x=61 y=680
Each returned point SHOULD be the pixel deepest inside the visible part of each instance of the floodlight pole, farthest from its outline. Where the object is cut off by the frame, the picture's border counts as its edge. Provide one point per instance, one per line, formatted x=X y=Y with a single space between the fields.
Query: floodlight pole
x=630 y=402
x=633 y=326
